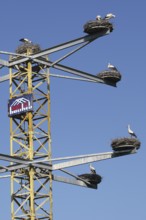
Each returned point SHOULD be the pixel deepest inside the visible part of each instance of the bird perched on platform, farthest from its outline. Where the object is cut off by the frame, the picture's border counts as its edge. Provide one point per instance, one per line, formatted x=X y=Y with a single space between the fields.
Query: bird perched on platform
x=109 y=16
x=112 y=67
x=92 y=169
x=98 y=18
x=131 y=132
x=25 y=40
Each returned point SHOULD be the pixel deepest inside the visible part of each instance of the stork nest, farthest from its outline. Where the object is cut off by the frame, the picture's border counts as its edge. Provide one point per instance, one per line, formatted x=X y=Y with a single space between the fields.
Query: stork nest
x=92 y=178
x=110 y=75
x=22 y=49
x=125 y=144
x=94 y=26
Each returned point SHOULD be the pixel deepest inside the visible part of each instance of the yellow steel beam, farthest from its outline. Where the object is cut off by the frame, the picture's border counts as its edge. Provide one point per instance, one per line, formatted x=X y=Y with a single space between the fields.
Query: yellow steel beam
x=30 y=137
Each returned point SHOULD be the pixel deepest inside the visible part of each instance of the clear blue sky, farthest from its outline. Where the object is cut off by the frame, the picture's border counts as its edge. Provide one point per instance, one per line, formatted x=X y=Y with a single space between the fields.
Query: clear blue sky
x=86 y=117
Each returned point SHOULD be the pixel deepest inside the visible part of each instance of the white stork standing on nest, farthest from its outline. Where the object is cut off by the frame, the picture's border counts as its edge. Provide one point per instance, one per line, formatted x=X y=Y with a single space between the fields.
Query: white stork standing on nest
x=25 y=40
x=131 y=132
x=112 y=67
x=92 y=169
x=109 y=16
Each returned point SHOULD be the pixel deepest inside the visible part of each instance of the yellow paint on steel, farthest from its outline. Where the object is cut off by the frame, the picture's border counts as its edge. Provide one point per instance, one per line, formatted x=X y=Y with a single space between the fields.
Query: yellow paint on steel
x=30 y=137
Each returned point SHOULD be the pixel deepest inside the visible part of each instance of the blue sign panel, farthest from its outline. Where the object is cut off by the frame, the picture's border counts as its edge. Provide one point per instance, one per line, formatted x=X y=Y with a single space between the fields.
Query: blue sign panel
x=20 y=105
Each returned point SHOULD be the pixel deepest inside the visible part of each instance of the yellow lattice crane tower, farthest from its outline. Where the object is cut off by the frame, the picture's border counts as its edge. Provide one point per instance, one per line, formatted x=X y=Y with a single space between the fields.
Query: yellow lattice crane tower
x=30 y=138
x=30 y=163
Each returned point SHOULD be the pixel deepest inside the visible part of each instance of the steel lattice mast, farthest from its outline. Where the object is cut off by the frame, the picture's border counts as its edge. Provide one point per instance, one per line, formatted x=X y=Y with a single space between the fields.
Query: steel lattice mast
x=30 y=163
x=30 y=138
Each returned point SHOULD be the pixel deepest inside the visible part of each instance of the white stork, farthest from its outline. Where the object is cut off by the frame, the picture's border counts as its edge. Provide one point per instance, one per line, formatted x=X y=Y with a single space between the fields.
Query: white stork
x=92 y=169
x=109 y=16
x=98 y=18
x=25 y=40
x=112 y=67
x=131 y=132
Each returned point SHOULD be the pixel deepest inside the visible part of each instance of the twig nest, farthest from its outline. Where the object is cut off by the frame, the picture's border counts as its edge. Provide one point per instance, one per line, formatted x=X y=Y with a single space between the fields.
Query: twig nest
x=110 y=75
x=92 y=178
x=91 y=27
x=125 y=144
x=22 y=49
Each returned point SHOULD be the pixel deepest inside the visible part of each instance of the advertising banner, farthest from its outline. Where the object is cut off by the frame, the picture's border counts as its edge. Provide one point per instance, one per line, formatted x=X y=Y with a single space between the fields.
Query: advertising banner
x=20 y=105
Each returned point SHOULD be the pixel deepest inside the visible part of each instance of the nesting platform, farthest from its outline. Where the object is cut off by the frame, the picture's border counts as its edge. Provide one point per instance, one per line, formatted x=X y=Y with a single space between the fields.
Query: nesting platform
x=94 y=26
x=22 y=49
x=91 y=178
x=110 y=75
x=125 y=144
